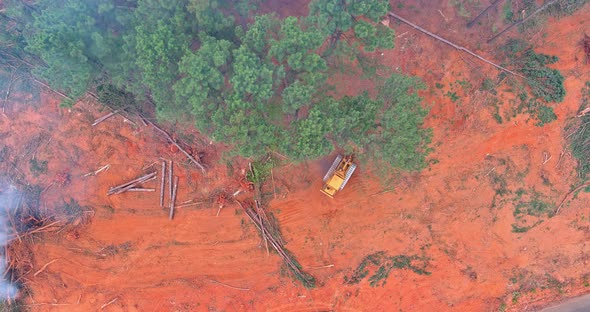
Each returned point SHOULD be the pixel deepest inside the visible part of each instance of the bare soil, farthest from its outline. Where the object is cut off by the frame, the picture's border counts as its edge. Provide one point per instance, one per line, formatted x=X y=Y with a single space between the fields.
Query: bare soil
x=450 y=213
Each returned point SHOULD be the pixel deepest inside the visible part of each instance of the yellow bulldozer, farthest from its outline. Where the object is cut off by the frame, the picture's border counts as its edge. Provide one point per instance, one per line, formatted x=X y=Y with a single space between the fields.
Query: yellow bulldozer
x=338 y=175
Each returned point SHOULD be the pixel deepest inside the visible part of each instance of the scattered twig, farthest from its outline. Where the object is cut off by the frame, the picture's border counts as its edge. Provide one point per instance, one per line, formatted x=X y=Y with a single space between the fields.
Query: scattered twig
x=140 y=189
x=44 y=267
x=460 y=48
x=226 y=285
x=109 y=303
x=173 y=198
x=162 y=184
x=568 y=194
x=171 y=140
x=105 y=117
x=99 y=170
x=546 y=157
x=543 y=7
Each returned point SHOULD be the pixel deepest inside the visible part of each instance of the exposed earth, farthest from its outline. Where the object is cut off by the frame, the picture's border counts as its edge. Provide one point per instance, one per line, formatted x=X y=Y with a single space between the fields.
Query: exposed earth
x=126 y=255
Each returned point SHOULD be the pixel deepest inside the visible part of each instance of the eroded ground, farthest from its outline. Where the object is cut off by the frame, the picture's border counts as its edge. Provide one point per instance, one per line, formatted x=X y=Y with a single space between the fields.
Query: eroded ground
x=458 y=215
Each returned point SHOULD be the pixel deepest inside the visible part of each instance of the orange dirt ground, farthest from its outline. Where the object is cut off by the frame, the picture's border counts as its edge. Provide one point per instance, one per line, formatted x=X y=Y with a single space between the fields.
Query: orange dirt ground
x=131 y=252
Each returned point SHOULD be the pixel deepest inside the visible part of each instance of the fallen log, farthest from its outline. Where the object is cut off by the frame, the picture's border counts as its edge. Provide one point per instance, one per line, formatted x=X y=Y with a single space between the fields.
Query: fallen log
x=140 y=189
x=131 y=184
x=173 y=198
x=460 y=48
x=162 y=184
x=105 y=117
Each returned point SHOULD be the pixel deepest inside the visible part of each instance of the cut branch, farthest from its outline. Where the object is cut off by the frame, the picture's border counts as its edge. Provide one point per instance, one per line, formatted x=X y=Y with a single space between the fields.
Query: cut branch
x=482 y=13
x=543 y=7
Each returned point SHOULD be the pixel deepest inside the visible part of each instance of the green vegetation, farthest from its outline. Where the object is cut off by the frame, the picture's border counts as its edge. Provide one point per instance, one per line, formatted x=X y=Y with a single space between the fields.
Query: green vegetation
x=565 y=7
x=545 y=84
x=384 y=264
x=258 y=86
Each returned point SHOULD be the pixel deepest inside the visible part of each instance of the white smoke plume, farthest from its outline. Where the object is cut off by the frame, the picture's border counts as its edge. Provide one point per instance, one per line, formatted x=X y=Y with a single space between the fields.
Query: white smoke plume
x=9 y=197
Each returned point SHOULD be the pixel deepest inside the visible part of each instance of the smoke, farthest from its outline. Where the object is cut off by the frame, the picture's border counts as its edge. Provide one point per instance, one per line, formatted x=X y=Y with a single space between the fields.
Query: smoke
x=9 y=197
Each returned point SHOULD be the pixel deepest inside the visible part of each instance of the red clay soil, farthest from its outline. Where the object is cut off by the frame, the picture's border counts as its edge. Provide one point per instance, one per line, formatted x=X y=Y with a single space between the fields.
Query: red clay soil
x=131 y=256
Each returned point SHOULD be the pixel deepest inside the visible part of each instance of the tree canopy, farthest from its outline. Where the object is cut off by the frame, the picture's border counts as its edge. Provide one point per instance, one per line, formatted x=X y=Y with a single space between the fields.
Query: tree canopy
x=256 y=81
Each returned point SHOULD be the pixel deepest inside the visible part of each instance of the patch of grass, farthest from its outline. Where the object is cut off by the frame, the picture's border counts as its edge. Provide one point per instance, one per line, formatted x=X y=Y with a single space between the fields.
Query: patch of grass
x=439 y=85
x=37 y=167
x=73 y=211
x=383 y=264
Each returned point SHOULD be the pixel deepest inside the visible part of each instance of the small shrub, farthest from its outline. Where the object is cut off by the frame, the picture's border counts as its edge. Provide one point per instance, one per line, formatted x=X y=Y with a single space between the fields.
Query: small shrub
x=37 y=167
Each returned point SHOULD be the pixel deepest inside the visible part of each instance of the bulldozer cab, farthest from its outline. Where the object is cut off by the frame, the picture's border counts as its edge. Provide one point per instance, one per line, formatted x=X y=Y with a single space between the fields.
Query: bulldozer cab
x=338 y=175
